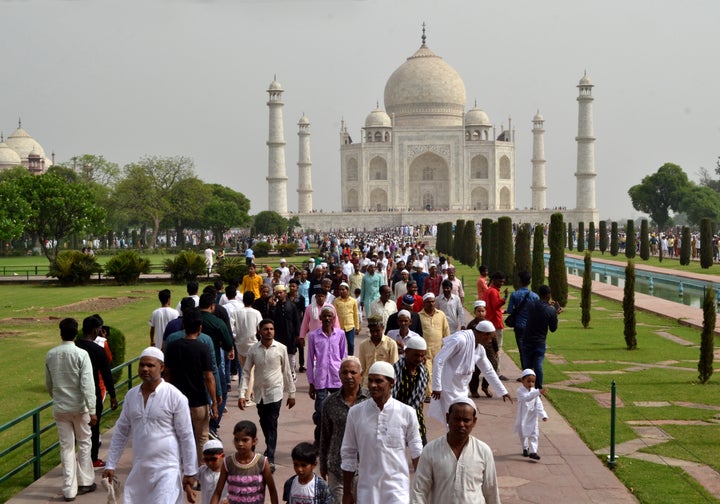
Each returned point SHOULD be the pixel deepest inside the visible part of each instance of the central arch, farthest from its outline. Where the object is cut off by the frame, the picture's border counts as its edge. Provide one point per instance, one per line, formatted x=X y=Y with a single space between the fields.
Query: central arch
x=429 y=181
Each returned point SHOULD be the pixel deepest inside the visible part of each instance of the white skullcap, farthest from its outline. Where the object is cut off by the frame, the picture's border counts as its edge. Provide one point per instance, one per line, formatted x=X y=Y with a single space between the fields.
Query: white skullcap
x=382 y=368
x=463 y=400
x=213 y=444
x=527 y=372
x=416 y=343
x=404 y=313
x=405 y=271
x=428 y=295
x=485 y=326
x=283 y=260
x=344 y=284
x=323 y=264
x=480 y=302
x=328 y=308
x=153 y=352
x=419 y=265
x=279 y=287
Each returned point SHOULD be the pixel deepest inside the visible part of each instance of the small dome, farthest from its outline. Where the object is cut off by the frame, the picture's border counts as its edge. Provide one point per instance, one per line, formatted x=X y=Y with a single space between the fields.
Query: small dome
x=34 y=153
x=476 y=117
x=8 y=157
x=275 y=86
x=22 y=143
x=303 y=120
x=538 y=117
x=425 y=90
x=378 y=118
x=585 y=81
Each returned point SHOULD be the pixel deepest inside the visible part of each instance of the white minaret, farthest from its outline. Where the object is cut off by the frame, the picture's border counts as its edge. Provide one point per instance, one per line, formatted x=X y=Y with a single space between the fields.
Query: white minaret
x=585 y=139
x=304 y=167
x=277 y=176
x=539 y=187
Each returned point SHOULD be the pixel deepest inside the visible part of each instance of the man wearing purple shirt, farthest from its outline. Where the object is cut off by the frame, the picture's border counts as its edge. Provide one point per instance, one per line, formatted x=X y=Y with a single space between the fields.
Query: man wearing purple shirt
x=326 y=348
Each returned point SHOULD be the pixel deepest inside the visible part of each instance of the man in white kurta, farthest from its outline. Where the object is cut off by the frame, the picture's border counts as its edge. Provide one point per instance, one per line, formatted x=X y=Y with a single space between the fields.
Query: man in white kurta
x=156 y=417
x=454 y=364
x=457 y=468
x=377 y=431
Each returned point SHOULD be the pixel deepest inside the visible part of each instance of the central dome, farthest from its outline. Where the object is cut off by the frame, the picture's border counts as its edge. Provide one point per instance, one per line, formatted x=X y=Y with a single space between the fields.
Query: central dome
x=425 y=91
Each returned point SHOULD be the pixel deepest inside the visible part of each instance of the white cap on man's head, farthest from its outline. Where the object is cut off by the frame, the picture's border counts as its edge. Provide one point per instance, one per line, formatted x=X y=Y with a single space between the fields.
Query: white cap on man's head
x=416 y=343
x=382 y=368
x=428 y=295
x=153 y=352
x=485 y=326
x=480 y=302
x=527 y=372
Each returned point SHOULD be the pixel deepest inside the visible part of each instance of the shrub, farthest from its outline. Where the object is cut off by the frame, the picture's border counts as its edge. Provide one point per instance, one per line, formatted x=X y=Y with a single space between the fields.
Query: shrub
x=629 y=307
x=538 y=257
x=569 y=242
x=486 y=241
x=603 y=236
x=614 y=244
x=706 y=246
x=581 y=237
x=586 y=293
x=470 y=245
x=505 y=254
x=522 y=252
x=630 y=239
x=557 y=278
x=707 y=339
x=685 y=246
x=72 y=267
x=232 y=268
x=286 y=249
x=644 y=240
x=261 y=249
x=186 y=266
x=591 y=237
x=116 y=342
x=459 y=241
x=127 y=266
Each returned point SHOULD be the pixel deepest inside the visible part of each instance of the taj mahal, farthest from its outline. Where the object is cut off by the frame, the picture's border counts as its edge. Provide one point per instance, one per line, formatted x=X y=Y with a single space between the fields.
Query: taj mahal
x=424 y=158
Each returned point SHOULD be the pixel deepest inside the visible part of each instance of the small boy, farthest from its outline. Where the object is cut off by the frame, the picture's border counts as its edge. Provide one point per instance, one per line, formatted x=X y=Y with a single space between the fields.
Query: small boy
x=530 y=408
x=357 y=294
x=306 y=487
x=209 y=473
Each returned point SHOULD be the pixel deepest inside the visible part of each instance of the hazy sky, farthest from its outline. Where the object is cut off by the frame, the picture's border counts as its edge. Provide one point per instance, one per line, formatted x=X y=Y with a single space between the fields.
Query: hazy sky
x=128 y=78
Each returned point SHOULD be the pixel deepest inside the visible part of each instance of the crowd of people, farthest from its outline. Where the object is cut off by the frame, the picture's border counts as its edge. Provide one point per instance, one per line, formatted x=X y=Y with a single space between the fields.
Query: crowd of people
x=369 y=399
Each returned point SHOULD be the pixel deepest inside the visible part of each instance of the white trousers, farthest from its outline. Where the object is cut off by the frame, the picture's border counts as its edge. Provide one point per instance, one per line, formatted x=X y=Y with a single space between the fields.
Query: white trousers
x=77 y=471
x=529 y=443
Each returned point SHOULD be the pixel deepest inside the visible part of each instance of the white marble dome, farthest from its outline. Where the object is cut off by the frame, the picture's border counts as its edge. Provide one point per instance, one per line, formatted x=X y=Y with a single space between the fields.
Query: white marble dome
x=585 y=81
x=275 y=86
x=476 y=117
x=8 y=157
x=303 y=120
x=425 y=90
x=378 y=118
x=23 y=144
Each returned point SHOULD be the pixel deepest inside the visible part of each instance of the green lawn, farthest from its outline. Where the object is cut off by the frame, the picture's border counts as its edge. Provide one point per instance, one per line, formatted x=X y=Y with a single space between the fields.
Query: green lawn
x=672 y=263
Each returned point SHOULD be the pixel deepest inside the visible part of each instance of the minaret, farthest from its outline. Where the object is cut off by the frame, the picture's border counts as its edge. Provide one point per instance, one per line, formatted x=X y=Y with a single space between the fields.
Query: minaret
x=539 y=188
x=304 y=167
x=277 y=176
x=585 y=139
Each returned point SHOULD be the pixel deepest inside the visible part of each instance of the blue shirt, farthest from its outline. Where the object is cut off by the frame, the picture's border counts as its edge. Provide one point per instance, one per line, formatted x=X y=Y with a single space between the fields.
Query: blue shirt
x=516 y=298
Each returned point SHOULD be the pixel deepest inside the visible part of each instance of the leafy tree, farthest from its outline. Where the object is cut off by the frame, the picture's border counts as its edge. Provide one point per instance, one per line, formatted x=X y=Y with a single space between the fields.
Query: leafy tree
x=685 y=246
x=660 y=192
x=557 y=278
x=505 y=257
x=644 y=240
x=58 y=209
x=93 y=168
x=630 y=239
x=144 y=191
x=603 y=235
x=538 y=257
x=581 y=237
x=523 y=260
x=270 y=222
x=459 y=241
x=493 y=263
x=570 y=240
x=470 y=245
x=486 y=241
x=629 y=307
x=225 y=210
x=706 y=248
x=614 y=244
x=707 y=339
x=700 y=202
x=187 y=198
x=591 y=236
x=586 y=292
x=14 y=211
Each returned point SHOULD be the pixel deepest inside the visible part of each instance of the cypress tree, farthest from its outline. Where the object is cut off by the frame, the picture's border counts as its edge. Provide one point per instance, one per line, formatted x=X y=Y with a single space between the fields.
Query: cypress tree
x=603 y=235
x=439 y=239
x=581 y=237
x=458 y=242
x=614 y=246
x=470 y=248
x=506 y=255
x=570 y=236
x=629 y=307
x=591 y=236
x=706 y=247
x=494 y=248
x=644 y=240
x=630 y=239
x=586 y=293
x=538 y=257
x=557 y=278
x=485 y=240
x=685 y=246
x=522 y=252
x=707 y=339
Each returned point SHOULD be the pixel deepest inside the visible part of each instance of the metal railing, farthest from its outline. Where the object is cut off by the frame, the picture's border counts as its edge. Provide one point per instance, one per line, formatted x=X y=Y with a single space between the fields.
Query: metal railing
x=37 y=429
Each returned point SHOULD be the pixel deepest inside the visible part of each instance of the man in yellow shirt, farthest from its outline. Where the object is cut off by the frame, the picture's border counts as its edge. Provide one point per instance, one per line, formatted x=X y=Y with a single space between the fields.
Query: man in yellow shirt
x=377 y=347
x=346 y=308
x=251 y=282
x=435 y=327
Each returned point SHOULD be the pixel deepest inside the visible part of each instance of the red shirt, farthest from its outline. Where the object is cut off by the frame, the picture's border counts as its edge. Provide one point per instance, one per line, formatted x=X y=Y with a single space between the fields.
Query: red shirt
x=494 y=306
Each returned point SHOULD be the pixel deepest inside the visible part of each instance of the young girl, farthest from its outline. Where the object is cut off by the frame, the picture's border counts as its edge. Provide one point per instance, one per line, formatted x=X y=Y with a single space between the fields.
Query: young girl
x=247 y=473
x=529 y=409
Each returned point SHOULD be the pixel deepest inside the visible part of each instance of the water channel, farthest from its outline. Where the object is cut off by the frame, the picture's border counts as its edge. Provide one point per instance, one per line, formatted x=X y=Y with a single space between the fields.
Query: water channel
x=665 y=286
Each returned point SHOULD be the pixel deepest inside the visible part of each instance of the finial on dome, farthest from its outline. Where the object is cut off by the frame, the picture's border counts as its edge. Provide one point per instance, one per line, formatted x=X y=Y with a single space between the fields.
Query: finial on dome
x=19 y=123
x=475 y=102
x=2 y=137
x=377 y=103
x=423 y=38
